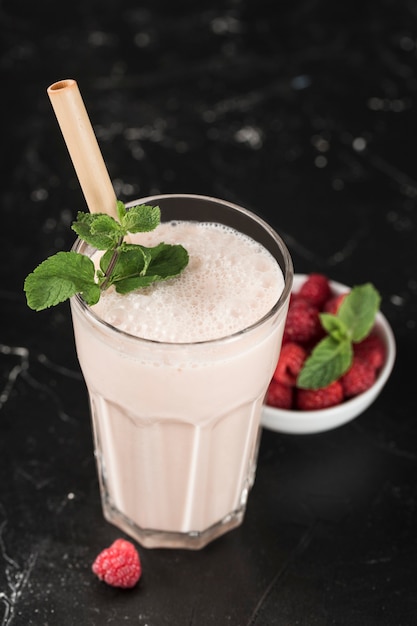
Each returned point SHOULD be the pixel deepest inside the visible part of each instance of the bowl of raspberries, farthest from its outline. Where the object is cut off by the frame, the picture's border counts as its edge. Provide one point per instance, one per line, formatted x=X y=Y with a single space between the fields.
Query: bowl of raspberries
x=337 y=353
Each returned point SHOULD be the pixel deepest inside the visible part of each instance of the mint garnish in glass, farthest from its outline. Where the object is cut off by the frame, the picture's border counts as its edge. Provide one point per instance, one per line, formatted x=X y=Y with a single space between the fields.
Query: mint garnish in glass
x=123 y=265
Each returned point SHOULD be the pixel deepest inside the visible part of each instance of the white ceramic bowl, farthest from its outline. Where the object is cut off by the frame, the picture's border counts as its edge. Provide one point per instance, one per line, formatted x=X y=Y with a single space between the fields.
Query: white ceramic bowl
x=305 y=422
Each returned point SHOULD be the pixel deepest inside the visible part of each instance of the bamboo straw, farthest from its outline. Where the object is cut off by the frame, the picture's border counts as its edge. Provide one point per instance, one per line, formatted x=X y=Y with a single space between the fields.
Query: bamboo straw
x=83 y=147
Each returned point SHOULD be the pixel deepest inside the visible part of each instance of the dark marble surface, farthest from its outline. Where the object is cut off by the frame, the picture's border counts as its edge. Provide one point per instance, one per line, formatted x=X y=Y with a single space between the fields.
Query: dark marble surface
x=306 y=112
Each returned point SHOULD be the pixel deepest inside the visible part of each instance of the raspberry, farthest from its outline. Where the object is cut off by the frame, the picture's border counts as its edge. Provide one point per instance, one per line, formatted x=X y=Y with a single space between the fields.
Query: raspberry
x=303 y=323
x=313 y=399
x=359 y=377
x=119 y=565
x=290 y=362
x=294 y=297
x=371 y=350
x=279 y=395
x=333 y=304
x=316 y=289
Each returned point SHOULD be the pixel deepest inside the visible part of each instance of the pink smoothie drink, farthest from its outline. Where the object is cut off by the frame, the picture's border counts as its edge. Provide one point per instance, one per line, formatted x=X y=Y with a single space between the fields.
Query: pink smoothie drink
x=177 y=373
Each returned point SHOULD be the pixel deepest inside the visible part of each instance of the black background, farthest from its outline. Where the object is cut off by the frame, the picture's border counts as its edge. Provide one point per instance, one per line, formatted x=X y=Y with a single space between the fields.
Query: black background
x=304 y=112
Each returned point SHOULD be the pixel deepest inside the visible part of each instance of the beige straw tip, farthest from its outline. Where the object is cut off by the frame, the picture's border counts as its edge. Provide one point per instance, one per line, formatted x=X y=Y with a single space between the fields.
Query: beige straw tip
x=62 y=84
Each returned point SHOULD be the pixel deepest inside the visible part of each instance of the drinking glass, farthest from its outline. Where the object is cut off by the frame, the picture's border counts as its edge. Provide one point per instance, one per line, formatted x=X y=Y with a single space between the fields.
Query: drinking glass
x=176 y=425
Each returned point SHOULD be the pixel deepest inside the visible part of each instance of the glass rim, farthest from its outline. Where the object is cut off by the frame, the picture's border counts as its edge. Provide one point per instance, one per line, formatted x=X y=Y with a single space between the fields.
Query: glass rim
x=288 y=274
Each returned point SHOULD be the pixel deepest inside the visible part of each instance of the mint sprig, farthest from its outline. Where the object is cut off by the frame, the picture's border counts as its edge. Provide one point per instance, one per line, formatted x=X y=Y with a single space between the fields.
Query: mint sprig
x=333 y=355
x=123 y=265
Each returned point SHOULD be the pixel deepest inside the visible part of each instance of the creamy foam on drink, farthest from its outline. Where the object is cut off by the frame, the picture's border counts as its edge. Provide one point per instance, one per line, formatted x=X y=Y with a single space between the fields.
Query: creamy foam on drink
x=230 y=283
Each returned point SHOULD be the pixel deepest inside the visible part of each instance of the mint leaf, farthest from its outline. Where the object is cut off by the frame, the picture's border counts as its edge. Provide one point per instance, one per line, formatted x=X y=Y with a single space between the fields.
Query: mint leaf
x=98 y=229
x=329 y=360
x=130 y=262
x=134 y=282
x=358 y=310
x=121 y=210
x=167 y=260
x=162 y=262
x=58 y=278
x=141 y=218
x=334 y=326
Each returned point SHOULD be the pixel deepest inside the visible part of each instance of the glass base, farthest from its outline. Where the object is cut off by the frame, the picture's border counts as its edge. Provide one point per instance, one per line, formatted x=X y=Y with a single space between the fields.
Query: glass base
x=162 y=539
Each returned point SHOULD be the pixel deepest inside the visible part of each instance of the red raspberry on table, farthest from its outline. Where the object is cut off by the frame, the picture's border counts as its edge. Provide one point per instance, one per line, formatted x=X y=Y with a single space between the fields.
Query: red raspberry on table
x=118 y=565
x=314 y=399
x=303 y=322
x=290 y=362
x=316 y=289
x=371 y=350
x=279 y=396
x=359 y=377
